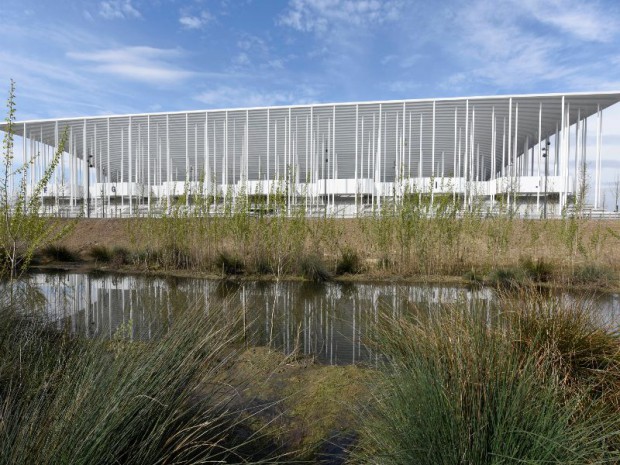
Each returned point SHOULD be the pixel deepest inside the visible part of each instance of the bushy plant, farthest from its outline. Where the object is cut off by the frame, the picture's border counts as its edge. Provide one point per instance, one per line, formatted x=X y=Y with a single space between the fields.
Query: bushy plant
x=100 y=253
x=538 y=270
x=313 y=269
x=457 y=389
x=584 y=350
x=507 y=278
x=348 y=262
x=66 y=400
x=22 y=229
x=120 y=256
x=59 y=253
x=228 y=264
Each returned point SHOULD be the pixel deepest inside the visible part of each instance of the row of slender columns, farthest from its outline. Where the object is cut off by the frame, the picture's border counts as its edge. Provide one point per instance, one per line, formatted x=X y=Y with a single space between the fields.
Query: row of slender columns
x=320 y=149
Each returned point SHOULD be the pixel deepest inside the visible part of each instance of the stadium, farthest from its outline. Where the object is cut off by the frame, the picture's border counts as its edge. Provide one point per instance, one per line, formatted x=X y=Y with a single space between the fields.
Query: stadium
x=530 y=152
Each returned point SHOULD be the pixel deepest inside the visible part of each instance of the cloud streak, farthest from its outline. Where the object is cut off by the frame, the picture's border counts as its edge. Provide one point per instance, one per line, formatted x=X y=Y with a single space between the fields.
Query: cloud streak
x=138 y=63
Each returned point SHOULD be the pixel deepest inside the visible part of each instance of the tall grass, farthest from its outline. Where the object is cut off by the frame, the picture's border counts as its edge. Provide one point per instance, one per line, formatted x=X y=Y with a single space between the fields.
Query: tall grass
x=461 y=387
x=417 y=233
x=69 y=400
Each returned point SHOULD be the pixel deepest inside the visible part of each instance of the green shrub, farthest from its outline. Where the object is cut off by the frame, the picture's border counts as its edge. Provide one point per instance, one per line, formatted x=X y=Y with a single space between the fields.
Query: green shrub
x=348 y=263
x=585 y=351
x=313 y=269
x=263 y=266
x=507 y=278
x=100 y=253
x=538 y=270
x=59 y=253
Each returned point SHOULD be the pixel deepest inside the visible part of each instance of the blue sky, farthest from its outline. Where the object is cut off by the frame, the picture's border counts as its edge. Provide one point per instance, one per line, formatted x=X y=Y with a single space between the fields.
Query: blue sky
x=91 y=57
x=114 y=56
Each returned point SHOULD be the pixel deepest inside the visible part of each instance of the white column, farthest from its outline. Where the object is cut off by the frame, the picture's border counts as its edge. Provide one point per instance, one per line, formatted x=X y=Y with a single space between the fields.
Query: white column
x=577 y=154
x=168 y=163
x=378 y=155
x=247 y=154
x=356 y=152
x=466 y=153
x=562 y=164
x=514 y=156
x=454 y=156
x=25 y=160
x=539 y=156
x=107 y=184
x=433 y=145
x=148 y=162
x=130 y=156
x=334 y=155
x=85 y=180
x=207 y=170
x=493 y=175
x=597 y=165
x=187 y=179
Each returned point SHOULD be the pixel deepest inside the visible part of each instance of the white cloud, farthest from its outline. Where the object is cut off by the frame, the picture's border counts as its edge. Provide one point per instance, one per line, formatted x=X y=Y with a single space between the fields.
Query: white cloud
x=584 y=20
x=499 y=47
x=197 y=21
x=319 y=15
x=230 y=97
x=118 y=9
x=144 y=64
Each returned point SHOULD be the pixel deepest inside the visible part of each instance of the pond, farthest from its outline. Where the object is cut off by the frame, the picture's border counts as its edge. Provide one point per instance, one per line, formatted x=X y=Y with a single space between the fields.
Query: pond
x=330 y=321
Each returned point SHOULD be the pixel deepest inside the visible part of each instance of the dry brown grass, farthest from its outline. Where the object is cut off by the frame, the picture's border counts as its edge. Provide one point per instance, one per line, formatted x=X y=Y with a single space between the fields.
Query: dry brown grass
x=481 y=245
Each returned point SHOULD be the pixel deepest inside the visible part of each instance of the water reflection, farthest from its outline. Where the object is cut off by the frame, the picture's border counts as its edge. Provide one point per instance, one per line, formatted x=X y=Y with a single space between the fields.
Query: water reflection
x=329 y=321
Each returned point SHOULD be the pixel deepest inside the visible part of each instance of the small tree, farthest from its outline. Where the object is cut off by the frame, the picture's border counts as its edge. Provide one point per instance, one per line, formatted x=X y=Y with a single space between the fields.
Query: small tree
x=22 y=229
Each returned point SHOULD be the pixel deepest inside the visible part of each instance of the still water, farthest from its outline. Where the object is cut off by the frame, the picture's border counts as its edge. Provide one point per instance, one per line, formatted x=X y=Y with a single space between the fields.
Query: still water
x=328 y=321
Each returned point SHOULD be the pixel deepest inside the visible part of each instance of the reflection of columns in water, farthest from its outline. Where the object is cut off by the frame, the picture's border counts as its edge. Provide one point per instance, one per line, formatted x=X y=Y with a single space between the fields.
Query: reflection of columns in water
x=353 y=329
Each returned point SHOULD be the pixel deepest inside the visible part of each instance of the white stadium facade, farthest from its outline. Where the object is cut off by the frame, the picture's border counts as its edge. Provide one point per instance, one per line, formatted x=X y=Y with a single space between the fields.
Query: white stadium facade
x=345 y=158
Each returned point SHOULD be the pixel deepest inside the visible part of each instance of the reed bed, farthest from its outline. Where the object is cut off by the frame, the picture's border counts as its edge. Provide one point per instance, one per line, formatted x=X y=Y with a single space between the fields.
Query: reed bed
x=413 y=238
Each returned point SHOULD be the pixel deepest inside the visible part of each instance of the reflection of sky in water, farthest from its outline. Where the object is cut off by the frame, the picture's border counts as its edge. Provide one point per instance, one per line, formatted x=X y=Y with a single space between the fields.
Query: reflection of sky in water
x=330 y=321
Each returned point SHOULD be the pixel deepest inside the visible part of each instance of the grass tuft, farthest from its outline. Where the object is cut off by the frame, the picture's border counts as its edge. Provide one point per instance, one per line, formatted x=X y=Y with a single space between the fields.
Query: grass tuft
x=538 y=270
x=314 y=269
x=593 y=275
x=229 y=264
x=59 y=253
x=100 y=253
x=508 y=278
x=70 y=400
x=457 y=388
x=348 y=263
x=120 y=256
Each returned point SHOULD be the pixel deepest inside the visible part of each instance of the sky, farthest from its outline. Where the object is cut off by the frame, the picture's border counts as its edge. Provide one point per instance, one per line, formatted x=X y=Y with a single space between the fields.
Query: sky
x=97 y=57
